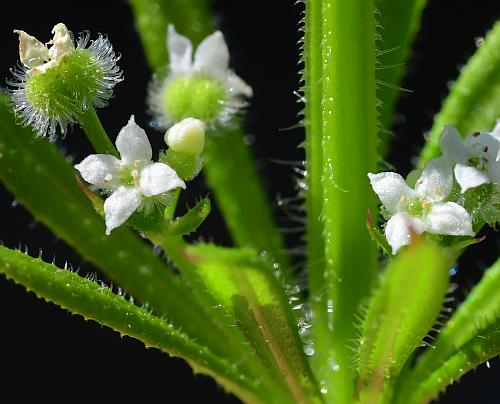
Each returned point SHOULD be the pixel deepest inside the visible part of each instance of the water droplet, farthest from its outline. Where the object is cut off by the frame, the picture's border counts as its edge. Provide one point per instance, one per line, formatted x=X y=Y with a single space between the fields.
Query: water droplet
x=309 y=350
x=333 y=365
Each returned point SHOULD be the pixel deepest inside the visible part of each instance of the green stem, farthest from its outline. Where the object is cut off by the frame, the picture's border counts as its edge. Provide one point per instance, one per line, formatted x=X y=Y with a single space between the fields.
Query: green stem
x=231 y=173
x=349 y=153
x=474 y=100
x=313 y=123
x=91 y=124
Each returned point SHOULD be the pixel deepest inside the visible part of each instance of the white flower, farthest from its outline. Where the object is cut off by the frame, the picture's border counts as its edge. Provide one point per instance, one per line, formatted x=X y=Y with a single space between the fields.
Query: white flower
x=474 y=159
x=224 y=90
x=132 y=179
x=48 y=93
x=422 y=209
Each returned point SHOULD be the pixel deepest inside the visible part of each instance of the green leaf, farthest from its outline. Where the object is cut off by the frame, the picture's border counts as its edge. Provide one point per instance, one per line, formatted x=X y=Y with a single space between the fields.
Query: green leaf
x=44 y=182
x=479 y=311
x=97 y=302
x=191 y=220
x=399 y=315
x=399 y=22
x=349 y=145
x=474 y=100
x=483 y=347
x=246 y=287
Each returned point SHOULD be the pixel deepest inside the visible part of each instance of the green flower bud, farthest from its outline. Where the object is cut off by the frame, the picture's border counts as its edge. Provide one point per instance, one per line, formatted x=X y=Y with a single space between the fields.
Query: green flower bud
x=57 y=84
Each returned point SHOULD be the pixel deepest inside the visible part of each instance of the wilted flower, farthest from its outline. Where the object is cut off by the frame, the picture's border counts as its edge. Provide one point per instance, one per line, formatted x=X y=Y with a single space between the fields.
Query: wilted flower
x=204 y=88
x=133 y=181
x=56 y=83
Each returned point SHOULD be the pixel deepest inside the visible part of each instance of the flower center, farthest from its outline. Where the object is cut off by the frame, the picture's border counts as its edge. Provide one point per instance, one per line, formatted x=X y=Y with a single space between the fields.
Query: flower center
x=131 y=174
x=197 y=96
x=481 y=163
x=418 y=207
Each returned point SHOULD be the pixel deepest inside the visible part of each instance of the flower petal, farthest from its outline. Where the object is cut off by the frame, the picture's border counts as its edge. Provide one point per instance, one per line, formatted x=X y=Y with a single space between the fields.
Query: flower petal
x=484 y=145
x=212 y=55
x=398 y=230
x=120 y=206
x=158 y=178
x=436 y=180
x=237 y=86
x=469 y=177
x=133 y=144
x=452 y=146
x=448 y=218
x=390 y=188
x=180 y=51
x=101 y=170
x=496 y=133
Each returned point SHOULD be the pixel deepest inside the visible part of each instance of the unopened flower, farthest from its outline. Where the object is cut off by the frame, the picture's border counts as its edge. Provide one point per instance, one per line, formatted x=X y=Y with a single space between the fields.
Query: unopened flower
x=204 y=88
x=57 y=82
x=187 y=136
x=422 y=209
x=474 y=160
x=133 y=181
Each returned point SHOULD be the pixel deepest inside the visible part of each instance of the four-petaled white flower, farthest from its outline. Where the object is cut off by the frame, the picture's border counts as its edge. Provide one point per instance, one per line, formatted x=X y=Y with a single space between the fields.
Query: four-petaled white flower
x=422 y=209
x=211 y=65
x=474 y=159
x=132 y=179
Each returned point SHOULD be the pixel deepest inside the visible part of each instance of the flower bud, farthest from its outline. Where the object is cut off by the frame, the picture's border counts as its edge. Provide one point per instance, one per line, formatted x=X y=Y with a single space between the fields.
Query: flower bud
x=187 y=137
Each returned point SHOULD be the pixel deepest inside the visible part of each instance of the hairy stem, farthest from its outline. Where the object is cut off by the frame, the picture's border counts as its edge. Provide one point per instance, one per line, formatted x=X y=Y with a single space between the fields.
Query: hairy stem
x=349 y=153
x=91 y=124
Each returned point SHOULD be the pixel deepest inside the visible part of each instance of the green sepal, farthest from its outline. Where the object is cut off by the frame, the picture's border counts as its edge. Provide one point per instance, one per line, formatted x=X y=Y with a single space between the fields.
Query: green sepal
x=95 y=200
x=399 y=314
x=187 y=166
x=190 y=221
x=377 y=235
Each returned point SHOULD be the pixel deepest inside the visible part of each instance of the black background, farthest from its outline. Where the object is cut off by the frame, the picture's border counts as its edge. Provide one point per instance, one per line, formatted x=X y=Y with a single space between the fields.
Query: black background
x=50 y=356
